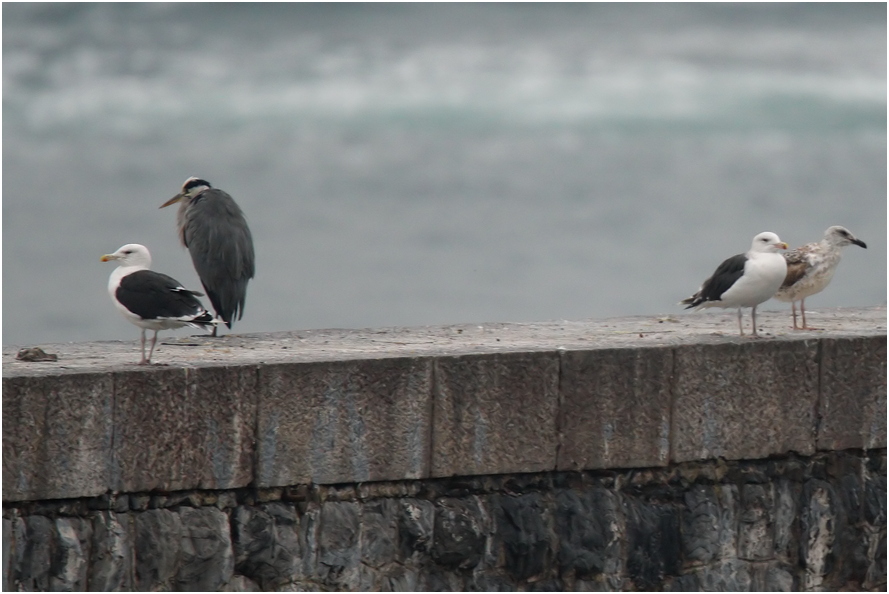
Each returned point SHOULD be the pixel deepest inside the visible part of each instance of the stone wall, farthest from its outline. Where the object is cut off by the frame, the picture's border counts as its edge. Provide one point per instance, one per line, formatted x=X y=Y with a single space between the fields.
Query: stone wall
x=632 y=453
x=787 y=523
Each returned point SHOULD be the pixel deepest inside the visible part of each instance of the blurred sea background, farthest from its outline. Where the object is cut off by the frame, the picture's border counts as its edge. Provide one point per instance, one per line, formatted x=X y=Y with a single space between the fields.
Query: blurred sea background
x=413 y=164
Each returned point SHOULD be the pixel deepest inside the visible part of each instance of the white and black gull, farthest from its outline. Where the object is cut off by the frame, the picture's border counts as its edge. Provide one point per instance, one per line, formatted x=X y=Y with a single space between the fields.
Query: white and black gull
x=744 y=280
x=810 y=268
x=213 y=228
x=151 y=300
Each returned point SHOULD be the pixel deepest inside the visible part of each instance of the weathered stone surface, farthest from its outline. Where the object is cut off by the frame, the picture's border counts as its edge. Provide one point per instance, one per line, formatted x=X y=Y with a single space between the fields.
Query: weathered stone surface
x=486 y=581
x=875 y=578
x=16 y=540
x=8 y=552
x=139 y=502
x=33 y=569
x=460 y=533
x=495 y=414
x=400 y=579
x=338 y=543
x=57 y=436
x=378 y=540
x=308 y=533
x=439 y=579
x=110 y=567
x=207 y=558
x=817 y=533
x=615 y=410
x=348 y=421
x=416 y=521
x=588 y=528
x=522 y=524
x=709 y=523
x=266 y=542
x=184 y=428
x=239 y=583
x=728 y=576
x=602 y=583
x=46 y=554
x=653 y=542
x=852 y=404
x=786 y=522
x=547 y=585
x=734 y=400
x=792 y=521
x=68 y=571
x=158 y=546
x=773 y=577
x=875 y=499
x=756 y=541
x=845 y=473
x=780 y=524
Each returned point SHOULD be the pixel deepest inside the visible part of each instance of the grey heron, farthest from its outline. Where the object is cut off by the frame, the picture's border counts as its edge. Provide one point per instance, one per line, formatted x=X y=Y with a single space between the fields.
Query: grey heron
x=213 y=228
x=810 y=268
x=744 y=280
x=151 y=300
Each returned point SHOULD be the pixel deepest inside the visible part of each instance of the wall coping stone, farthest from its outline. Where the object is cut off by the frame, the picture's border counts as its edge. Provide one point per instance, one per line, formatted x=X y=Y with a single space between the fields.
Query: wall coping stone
x=714 y=326
x=341 y=406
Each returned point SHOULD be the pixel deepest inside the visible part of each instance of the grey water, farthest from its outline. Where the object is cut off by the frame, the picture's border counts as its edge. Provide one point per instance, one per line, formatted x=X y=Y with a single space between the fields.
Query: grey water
x=413 y=164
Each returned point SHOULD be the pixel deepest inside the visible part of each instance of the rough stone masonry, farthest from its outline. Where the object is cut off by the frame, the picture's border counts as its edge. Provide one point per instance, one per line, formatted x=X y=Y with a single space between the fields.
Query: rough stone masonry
x=633 y=454
x=784 y=524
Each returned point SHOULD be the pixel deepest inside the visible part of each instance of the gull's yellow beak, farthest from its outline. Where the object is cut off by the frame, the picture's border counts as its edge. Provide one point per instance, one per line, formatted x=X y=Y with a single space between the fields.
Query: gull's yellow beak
x=107 y=258
x=783 y=245
x=173 y=200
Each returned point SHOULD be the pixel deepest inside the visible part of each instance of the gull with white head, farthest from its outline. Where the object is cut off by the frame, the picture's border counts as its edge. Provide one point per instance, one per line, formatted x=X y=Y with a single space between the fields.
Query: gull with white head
x=744 y=280
x=151 y=300
x=810 y=268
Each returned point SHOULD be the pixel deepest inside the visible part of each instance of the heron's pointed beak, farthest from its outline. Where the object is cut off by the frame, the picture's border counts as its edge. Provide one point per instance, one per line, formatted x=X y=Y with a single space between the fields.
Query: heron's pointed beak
x=173 y=200
x=859 y=243
x=108 y=257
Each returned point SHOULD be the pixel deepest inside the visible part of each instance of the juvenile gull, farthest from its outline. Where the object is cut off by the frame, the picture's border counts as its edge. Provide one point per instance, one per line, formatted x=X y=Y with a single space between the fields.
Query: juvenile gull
x=151 y=300
x=810 y=268
x=213 y=228
x=745 y=280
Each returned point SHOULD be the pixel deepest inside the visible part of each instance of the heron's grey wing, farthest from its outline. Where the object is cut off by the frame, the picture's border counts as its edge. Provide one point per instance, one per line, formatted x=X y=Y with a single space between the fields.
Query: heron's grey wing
x=221 y=248
x=798 y=263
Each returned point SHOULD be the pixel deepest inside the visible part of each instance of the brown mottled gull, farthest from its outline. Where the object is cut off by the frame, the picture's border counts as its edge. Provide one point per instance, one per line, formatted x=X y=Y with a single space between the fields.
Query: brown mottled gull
x=810 y=268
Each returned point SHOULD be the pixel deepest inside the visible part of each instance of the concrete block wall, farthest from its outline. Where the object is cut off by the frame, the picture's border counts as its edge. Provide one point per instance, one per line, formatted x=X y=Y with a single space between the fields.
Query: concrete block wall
x=277 y=411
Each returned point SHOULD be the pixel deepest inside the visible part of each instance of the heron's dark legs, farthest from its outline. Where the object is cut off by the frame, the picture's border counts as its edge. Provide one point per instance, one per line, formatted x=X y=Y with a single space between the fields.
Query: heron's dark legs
x=214 y=330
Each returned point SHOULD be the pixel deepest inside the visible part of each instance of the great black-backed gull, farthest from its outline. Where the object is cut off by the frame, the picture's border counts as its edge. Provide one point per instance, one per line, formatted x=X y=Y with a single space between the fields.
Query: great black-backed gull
x=151 y=300
x=213 y=228
x=745 y=280
x=810 y=268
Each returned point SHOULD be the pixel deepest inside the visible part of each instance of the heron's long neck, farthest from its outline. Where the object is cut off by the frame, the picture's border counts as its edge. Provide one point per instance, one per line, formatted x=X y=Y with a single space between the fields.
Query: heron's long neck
x=180 y=219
